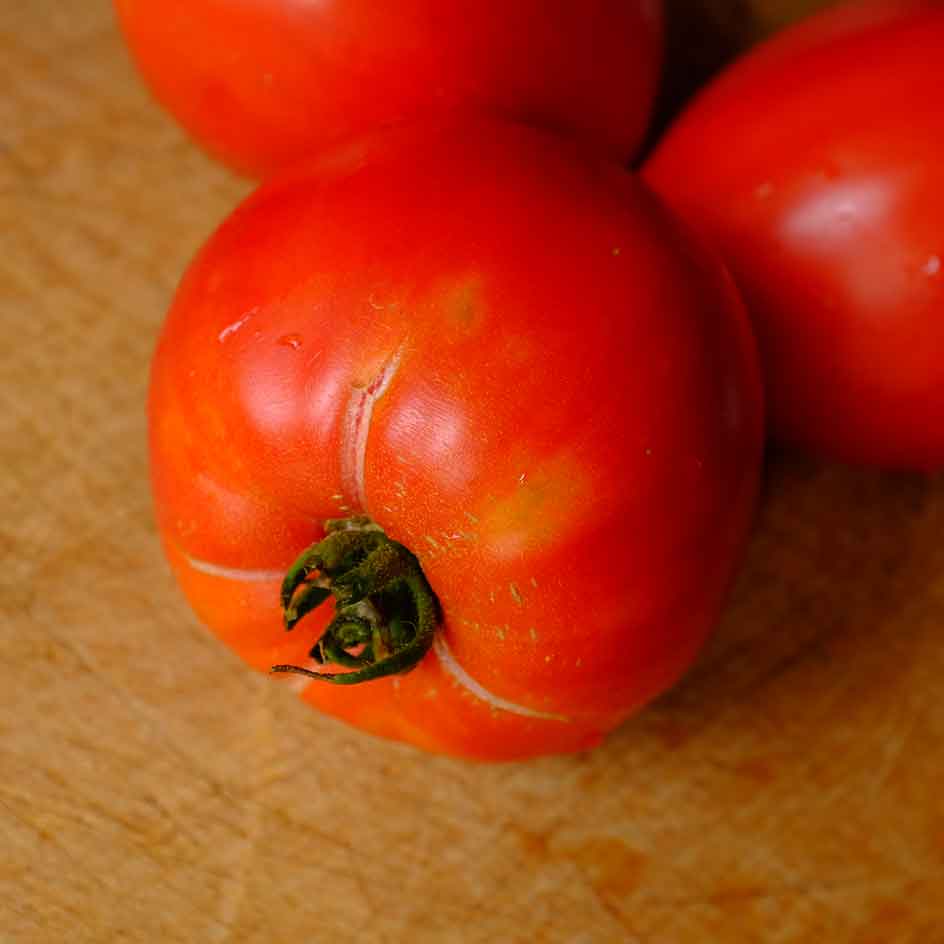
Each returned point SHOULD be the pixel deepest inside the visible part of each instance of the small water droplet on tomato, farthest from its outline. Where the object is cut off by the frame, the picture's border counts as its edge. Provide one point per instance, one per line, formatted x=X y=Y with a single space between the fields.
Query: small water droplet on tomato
x=763 y=191
x=294 y=341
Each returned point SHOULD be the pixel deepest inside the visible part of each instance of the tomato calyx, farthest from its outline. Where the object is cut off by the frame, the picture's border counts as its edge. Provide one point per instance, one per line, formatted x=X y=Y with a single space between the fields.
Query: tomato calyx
x=385 y=610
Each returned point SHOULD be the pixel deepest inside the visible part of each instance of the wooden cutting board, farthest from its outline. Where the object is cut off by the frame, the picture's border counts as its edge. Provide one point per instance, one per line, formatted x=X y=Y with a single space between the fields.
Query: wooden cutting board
x=153 y=790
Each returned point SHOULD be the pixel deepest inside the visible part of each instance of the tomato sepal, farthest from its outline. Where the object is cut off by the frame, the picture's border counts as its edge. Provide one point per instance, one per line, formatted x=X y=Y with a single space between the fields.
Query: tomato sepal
x=386 y=613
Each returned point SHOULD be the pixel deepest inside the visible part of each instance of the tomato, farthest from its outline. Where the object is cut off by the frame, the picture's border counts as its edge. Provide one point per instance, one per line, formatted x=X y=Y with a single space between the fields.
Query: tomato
x=260 y=83
x=510 y=357
x=815 y=165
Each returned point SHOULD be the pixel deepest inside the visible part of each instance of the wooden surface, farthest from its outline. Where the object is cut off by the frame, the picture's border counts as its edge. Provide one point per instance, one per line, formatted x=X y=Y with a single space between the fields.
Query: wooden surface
x=153 y=790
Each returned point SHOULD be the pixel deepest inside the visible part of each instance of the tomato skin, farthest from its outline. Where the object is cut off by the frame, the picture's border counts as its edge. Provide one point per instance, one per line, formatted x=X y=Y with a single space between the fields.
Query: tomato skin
x=262 y=83
x=820 y=179
x=520 y=365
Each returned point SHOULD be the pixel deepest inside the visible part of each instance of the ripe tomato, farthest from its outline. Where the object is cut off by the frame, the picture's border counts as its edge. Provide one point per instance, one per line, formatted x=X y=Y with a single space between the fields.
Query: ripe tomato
x=261 y=83
x=820 y=177
x=511 y=358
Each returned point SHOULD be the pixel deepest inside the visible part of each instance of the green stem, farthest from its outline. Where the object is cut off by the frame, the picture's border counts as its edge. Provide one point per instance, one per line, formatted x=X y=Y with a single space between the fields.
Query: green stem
x=385 y=610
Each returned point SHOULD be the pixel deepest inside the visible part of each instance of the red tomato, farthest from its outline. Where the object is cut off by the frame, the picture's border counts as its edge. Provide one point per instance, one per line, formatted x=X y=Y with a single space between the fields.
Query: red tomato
x=817 y=166
x=512 y=359
x=261 y=83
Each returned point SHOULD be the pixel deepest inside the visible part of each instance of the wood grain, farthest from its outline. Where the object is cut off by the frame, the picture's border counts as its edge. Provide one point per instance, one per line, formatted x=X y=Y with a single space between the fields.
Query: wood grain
x=151 y=789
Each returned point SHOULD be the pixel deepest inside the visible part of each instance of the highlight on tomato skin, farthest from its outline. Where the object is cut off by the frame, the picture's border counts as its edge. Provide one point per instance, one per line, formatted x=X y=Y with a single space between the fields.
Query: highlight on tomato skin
x=261 y=84
x=503 y=352
x=819 y=179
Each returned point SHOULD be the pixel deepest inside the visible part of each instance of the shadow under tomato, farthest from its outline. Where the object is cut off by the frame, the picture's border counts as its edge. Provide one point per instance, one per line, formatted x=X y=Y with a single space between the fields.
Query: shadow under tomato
x=836 y=588
x=701 y=37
